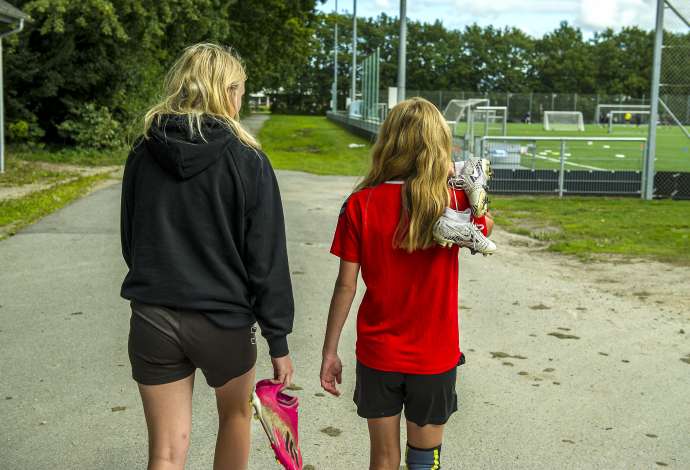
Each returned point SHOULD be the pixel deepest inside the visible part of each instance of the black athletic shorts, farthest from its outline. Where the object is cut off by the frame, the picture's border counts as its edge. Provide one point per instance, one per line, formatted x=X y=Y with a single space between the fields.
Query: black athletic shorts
x=427 y=399
x=167 y=344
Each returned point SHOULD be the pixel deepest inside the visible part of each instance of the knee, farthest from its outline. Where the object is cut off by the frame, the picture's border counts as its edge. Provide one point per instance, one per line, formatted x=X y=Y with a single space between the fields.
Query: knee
x=173 y=451
x=235 y=411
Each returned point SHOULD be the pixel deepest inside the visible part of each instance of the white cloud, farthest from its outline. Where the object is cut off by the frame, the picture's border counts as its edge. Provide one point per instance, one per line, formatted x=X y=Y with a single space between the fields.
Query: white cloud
x=535 y=17
x=600 y=14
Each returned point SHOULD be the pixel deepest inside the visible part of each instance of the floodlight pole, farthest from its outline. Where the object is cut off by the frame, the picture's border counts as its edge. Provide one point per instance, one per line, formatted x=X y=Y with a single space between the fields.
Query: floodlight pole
x=353 y=88
x=648 y=172
x=334 y=99
x=18 y=29
x=402 y=50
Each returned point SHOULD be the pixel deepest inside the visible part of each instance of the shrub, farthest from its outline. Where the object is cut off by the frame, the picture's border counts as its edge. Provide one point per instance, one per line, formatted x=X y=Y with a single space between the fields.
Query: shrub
x=24 y=132
x=92 y=127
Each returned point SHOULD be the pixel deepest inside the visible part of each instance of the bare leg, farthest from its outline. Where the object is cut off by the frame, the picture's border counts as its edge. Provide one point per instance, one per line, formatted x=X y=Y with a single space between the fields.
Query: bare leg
x=234 y=423
x=384 y=437
x=168 y=411
x=424 y=437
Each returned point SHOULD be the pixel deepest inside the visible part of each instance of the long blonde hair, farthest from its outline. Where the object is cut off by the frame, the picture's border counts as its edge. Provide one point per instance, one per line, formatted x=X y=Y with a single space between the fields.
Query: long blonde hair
x=203 y=82
x=414 y=145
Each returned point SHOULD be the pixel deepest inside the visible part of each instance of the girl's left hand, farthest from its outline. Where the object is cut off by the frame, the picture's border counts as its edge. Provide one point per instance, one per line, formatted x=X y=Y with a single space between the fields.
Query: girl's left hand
x=331 y=373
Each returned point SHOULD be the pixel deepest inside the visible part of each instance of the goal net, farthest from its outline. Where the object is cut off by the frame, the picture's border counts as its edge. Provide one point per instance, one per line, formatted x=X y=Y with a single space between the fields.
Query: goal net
x=627 y=118
x=563 y=121
x=489 y=120
x=457 y=110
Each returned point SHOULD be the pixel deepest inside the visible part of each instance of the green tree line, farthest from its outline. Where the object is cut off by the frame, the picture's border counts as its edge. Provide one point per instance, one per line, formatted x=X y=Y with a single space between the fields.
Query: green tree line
x=484 y=59
x=83 y=72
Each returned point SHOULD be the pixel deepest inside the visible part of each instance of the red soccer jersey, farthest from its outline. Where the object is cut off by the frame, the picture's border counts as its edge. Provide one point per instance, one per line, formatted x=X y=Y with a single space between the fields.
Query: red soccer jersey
x=408 y=319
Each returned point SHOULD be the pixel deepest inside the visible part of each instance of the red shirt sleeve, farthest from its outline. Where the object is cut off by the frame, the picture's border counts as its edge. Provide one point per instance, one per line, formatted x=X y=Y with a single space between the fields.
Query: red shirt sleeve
x=346 y=241
x=458 y=195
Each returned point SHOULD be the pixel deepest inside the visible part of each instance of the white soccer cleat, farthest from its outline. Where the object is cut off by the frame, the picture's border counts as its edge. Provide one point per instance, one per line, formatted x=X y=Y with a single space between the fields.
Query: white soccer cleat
x=456 y=228
x=473 y=176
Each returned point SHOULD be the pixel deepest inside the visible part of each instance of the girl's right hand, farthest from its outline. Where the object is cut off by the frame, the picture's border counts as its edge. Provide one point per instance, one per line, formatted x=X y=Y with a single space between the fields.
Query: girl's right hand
x=331 y=373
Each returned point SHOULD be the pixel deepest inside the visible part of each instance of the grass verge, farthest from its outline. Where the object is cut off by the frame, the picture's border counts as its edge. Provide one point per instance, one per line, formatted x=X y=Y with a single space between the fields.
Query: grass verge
x=70 y=155
x=588 y=226
x=20 y=172
x=18 y=213
x=313 y=144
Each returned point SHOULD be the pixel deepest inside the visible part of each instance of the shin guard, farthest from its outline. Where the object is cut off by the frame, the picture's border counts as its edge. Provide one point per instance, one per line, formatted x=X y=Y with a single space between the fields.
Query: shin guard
x=423 y=459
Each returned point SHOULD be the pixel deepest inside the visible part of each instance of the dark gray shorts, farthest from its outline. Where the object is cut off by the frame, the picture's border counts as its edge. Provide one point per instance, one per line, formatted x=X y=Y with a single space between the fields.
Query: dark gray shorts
x=166 y=345
x=427 y=399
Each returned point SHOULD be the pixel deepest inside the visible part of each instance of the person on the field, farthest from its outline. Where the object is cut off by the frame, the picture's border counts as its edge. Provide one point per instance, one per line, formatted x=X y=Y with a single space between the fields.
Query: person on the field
x=407 y=325
x=204 y=240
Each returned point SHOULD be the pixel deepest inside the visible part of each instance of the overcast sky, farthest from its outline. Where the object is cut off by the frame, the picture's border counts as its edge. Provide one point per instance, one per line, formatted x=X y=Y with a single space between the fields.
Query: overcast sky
x=532 y=16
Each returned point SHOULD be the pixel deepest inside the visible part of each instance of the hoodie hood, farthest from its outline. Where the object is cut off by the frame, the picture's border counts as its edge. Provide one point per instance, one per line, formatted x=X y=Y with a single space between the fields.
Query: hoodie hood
x=182 y=153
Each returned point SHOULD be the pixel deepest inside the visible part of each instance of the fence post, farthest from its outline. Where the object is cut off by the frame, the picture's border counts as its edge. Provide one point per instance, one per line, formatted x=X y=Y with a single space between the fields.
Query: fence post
x=644 y=169
x=561 y=174
x=650 y=155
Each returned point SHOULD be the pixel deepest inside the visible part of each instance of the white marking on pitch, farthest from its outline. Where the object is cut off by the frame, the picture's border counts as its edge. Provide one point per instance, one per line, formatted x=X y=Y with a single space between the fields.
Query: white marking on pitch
x=556 y=160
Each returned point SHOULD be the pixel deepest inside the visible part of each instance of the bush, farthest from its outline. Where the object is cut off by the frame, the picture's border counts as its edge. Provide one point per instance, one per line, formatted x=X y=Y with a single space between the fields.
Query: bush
x=24 y=132
x=92 y=127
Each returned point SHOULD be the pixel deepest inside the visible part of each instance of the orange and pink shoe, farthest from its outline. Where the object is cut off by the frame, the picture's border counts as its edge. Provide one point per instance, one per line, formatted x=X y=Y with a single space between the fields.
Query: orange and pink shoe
x=277 y=412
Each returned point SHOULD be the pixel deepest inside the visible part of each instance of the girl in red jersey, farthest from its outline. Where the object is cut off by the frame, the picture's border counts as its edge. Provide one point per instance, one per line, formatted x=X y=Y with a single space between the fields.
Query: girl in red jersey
x=407 y=325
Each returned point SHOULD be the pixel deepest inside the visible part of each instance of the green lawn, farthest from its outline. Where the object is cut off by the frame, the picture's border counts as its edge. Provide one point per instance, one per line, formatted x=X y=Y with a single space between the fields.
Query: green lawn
x=582 y=226
x=585 y=226
x=672 y=151
x=313 y=144
x=70 y=155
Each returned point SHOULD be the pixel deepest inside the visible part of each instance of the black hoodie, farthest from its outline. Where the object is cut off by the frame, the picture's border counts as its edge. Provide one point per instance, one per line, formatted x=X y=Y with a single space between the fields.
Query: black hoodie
x=202 y=229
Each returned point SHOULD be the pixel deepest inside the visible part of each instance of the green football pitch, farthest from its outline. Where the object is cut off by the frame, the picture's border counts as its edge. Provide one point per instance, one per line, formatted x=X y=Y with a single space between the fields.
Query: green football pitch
x=672 y=149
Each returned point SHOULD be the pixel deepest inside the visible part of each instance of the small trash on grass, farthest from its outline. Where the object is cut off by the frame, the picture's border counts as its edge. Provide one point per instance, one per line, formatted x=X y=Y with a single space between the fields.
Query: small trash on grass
x=356 y=146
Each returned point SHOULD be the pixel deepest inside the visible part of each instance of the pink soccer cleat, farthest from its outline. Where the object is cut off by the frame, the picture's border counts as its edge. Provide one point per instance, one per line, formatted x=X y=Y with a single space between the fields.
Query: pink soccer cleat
x=277 y=413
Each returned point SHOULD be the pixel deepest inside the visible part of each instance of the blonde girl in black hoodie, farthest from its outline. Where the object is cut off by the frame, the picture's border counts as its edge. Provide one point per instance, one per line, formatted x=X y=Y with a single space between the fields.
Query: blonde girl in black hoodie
x=203 y=237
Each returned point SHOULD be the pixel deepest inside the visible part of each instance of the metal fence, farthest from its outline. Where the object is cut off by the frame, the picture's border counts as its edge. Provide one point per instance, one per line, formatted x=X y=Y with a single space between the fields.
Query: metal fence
x=556 y=165
x=575 y=159
x=533 y=105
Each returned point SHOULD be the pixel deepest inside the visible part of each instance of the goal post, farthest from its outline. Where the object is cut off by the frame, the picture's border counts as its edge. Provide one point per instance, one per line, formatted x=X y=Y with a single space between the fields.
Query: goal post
x=628 y=117
x=602 y=110
x=563 y=121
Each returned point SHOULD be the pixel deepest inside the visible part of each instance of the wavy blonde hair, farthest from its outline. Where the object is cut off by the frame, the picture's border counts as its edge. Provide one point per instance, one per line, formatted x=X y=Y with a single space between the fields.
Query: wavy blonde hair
x=203 y=82
x=414 y=145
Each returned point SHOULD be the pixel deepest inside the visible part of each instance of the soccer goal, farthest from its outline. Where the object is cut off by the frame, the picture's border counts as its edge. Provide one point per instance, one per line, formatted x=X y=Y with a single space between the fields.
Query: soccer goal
x=602 y=111
x=563 y=121
x=457 y=110
x=627 y=117
x=489 y=120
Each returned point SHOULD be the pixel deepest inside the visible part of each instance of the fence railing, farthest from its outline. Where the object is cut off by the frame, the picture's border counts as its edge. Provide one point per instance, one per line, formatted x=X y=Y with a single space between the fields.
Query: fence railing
x=506 y=153
x=557 y=165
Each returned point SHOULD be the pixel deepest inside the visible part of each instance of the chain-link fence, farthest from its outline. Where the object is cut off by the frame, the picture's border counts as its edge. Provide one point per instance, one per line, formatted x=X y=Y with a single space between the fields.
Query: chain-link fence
x=531 y=106
x=673 y=131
